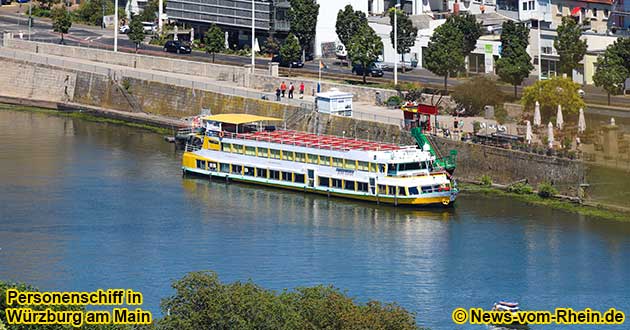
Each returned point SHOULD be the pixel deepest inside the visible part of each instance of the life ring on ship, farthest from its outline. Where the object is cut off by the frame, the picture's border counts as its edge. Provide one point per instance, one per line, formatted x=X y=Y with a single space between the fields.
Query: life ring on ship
x=221 y=134
x=445 y=202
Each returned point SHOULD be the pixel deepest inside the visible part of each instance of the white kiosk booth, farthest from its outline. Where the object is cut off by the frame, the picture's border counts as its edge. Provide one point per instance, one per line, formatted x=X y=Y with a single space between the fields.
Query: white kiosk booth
x=334 y=102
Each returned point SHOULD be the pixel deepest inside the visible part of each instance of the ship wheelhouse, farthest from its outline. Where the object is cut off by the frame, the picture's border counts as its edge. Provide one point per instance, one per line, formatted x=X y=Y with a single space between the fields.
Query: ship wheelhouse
x=244 y=148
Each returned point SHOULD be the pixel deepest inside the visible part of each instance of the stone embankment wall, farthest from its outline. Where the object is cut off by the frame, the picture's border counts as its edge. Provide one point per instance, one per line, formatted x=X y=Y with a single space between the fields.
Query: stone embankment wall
x=23 y=80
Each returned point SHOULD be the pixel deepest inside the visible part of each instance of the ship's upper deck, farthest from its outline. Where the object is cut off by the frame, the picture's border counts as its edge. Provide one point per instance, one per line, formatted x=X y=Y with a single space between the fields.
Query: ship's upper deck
x=310 y=140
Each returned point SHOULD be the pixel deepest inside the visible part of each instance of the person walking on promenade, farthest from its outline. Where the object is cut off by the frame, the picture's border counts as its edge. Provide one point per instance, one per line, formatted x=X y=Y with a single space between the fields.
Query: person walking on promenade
x=278 y=94
x=291 y=89
x=301 y=90
x=283 y=88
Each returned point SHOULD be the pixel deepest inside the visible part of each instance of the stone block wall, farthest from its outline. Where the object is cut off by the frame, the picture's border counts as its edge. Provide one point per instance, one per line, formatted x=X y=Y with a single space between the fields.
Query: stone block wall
x=37 y=82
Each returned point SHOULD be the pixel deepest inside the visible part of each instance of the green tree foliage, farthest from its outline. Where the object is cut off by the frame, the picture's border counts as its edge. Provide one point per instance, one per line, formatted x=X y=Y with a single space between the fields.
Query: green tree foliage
x=303 y=19
x=550 y=93
x=136 y=31
x=365 y=47
x=568 y=44
x=444 y=53
x=215 y=40
x=150 y=11
x=201 y=301
x=349 y=21
x=271 y=46
x=91 y=11
x=470 y=28
x=406 y=32
x=546 y=190
x=514 y=65
x=47 y=4
x=62 y=21
x=473 y=95
x=613 y=67
x=290 y=49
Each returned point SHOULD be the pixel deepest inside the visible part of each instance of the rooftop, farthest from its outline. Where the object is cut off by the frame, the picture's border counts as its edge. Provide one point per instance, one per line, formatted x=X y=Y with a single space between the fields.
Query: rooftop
x=310 y=140
x=238 y=118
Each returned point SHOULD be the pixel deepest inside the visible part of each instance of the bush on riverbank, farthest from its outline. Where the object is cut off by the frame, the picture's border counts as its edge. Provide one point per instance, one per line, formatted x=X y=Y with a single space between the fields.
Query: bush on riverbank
x=486 y=180
x=201 y=301
x=546 y=190
x=521 y=188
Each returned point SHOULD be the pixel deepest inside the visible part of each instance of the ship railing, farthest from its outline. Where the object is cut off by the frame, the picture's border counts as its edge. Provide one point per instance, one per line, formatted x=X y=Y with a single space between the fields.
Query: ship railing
x=191 y=147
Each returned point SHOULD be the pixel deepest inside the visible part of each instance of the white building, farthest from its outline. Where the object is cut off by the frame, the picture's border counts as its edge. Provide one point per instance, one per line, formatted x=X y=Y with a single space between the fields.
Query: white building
x=325 y=31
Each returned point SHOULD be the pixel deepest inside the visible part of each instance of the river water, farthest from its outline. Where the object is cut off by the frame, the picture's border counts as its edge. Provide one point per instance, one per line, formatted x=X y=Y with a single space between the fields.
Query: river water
x=87 y=205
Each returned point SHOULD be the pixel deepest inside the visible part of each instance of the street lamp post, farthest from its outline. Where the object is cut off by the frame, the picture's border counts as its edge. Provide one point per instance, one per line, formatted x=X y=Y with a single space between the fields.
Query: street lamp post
x=116 y=26
x=160 y=13
x=253 y=36
x=396 y=43
x=30 y=20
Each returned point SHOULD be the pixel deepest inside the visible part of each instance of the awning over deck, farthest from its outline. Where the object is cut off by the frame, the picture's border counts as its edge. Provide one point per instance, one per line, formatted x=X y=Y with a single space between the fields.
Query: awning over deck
x=239 y=118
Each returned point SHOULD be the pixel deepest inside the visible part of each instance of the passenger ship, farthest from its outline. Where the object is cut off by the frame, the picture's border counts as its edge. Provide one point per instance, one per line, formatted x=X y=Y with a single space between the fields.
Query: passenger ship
x=239 y=147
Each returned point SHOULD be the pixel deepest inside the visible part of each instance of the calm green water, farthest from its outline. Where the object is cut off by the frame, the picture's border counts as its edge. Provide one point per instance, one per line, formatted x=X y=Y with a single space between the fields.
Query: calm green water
x=89 y=205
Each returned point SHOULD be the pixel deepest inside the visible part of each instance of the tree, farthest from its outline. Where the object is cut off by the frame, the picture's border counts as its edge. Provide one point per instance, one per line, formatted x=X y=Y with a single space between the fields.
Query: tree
x=91 y=11
x=364 y=48
x=514 y=65
x=150 y=11
x=136 y=31
x=473 y=95
x=568 y=45
x=406 y=32
x=271 y=46
x=215 y=40
x=550 y=93
x=303 y=19
x=444 y=53
x=290 y=50
x=611 y=73
x=348 y=23
x=62 y=21
x=470 y=28
x=47 y=4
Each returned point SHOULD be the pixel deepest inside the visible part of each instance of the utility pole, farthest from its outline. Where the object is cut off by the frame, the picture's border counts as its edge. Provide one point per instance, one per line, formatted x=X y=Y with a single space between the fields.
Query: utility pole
x=116 y=26
x=253 y=36
x=30 y=20
x=160 y=13
x=396 y=43
x=103 y=19
x=539 y=49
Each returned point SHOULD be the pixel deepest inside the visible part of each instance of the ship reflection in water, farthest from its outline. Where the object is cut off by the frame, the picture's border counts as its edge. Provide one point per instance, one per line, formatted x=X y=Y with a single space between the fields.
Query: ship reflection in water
x=90 y=205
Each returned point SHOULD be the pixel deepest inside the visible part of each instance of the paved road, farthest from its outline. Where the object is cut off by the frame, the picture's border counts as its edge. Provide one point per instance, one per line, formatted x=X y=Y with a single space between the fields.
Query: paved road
x=89 y=36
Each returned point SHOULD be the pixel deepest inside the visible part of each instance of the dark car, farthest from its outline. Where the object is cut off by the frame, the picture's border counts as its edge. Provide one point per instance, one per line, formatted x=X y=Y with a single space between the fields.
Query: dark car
x=287 y=64
x=373 y=70
x=178 y=47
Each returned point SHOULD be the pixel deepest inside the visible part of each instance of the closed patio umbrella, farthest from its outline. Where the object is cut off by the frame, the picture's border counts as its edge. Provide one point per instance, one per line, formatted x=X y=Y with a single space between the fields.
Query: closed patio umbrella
x=528 y=133
x=581 y=122
x=559 y=119
x=537 y=119
x=550 y=134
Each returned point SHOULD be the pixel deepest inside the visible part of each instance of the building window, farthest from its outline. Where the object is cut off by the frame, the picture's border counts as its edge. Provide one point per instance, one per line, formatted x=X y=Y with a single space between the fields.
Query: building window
x=524 y=5
x=606 y=13
x=299 y=178
x=324 y=182
x=594 y=12
x=532 y=5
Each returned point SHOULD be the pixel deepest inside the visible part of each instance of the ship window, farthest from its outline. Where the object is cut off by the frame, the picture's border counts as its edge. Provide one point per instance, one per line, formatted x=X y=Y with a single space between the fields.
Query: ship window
x=263 y=152
x=336 y=183
x=402 y=191
x=350 y=164
x=248 y=171
x=287 y=155
x=349 y=185
x=324 y=182
x=261 y=172
x=287 y=176
x=300 y=157
x=251 y=151
x=362 y=186
x=413 y=190
x=391 y=169
x=337 y=162
x=236 y=169
x=409 y=166
x=273 y=174
x=212 y=166
x=392 y=190
x=273 y=153
x=373 y=167
x=225 y=168
x=382 y=189
x=237 y=148
x=226 y=147
x=363 y=166
x=381 y=168
x=299 y=178
x=201 y=164
x=312 y=159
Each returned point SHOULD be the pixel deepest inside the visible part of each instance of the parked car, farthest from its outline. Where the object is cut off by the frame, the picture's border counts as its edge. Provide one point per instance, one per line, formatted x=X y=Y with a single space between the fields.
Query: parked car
x=382 y=65
x=176 y=46
x=124 y=29
x=287 y=64
x=373 y=70
x=149 y=27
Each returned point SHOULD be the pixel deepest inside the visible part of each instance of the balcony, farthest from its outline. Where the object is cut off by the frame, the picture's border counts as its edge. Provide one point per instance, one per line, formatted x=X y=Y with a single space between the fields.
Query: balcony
x=280 y=25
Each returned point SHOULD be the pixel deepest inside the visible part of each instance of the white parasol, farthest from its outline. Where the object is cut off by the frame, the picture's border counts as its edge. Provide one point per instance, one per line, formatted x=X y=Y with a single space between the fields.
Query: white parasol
x=528 y=133
x=559 y=119
x=537 y=119
x=581 y=122
x=550 y=134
